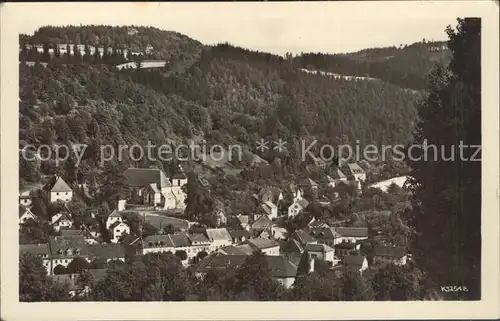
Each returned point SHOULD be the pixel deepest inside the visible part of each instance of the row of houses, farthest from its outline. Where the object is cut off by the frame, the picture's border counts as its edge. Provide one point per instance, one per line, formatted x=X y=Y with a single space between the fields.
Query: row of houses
x=270 y=197
x=63 y=49
x=61 y=250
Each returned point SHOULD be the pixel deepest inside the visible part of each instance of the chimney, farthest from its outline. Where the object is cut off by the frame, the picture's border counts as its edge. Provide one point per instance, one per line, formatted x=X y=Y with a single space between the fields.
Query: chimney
x=121 y=205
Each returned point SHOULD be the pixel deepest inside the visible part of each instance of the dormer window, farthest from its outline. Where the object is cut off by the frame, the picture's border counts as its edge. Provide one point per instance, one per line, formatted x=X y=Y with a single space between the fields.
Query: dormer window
x=60 y=251
x=77 y=251
x=162 y=243
x=150 y=244
x=69 y=252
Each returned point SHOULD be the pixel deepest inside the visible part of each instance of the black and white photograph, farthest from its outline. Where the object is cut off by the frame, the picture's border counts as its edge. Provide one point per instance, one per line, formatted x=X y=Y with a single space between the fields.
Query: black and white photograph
x=223 y=152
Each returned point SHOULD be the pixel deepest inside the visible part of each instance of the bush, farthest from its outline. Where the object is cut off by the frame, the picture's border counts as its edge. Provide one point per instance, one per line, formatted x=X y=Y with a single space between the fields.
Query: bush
x=181 y=255
x=59 y=269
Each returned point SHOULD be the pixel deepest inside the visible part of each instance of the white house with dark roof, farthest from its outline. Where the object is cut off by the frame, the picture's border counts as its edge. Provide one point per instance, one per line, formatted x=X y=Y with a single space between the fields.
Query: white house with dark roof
x=271 y=209
x=297 y=207
x=326 y=235
x=26 y=214
x=58 y=190
x=282 y=270
x=390 y=254
x=218 y=237
x=40 y=250
x=64 y=249
x=356 y=172
x=355 y=263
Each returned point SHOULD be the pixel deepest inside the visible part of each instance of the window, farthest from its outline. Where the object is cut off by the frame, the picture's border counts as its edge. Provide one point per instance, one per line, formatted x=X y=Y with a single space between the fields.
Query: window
x=179 y=182
x=57 y=193
x=117 y=231
x=66 y=193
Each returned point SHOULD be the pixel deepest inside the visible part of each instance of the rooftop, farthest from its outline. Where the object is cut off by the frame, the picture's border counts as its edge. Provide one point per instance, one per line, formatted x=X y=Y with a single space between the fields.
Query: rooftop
x=219 y=234
x=262 y=243
x=141 y=177
x=352 y=231
x=57 y=184
x=390 y=251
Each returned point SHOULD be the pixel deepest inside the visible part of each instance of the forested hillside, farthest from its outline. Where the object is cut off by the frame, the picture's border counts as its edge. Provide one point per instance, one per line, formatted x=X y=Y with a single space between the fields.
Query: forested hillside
x=406 y=66
x=227 y=95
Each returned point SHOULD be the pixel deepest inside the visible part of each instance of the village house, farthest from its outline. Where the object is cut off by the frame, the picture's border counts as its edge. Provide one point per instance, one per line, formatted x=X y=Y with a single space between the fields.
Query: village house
x=58 y=190
x=117 y=230
x=156 y=244
x=64 y=249
x=326 y=235
x=25 y=214
x=346 y=249
x=282 y=270
x=262 y=223
x=181 y=243
x=328 y=181
x=25 y=198
x=113 y=217
x=218 y=237
x=352 y=234
x=63 y=219
x=303 y=237
x=151 y=187
x=243 y=221
x=308 y=185
x=266 y=246
x=199 y=243
x=106 y=252
x=321 y=251
x=390 y=254
x=297 y=207
x=39 y=250
x=278 y=233
x=239 y=236
x=270 y=209
x=355 y=263
x=314 y=223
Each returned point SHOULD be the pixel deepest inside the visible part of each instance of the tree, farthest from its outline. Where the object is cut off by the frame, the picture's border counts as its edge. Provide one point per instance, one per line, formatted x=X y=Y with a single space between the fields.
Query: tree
x=170 y=229
x=446 y=198
x=201 y=255
x=181 y=254
x=356 y=288
x=77 y=265
x=397 y=283
x=304 y=266
x=254 y=280
x=60 y=269
x=34 y=285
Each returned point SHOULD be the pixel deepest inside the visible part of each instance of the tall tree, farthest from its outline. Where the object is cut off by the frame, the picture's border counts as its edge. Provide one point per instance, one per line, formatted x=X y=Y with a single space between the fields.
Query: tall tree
x=34 y=285
x=447 y=190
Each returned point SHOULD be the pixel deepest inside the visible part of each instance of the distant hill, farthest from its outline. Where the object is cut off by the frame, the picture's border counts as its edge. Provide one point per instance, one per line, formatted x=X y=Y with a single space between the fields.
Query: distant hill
x=406 y=67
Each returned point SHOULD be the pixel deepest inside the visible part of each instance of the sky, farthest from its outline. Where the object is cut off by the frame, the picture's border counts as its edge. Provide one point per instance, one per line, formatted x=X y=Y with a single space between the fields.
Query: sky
x=329 y=27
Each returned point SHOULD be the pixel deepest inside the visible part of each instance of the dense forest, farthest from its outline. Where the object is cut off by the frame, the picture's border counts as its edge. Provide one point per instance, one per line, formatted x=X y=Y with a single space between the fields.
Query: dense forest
x=228 y=96
x=407 y=66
